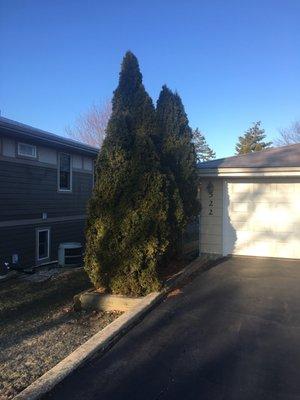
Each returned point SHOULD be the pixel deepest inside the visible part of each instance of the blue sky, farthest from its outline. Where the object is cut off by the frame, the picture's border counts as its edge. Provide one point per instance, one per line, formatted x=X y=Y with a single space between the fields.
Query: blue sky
x=232 y=62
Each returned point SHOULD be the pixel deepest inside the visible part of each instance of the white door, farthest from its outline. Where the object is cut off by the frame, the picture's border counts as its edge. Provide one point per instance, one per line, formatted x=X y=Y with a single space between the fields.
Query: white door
x=262 y=218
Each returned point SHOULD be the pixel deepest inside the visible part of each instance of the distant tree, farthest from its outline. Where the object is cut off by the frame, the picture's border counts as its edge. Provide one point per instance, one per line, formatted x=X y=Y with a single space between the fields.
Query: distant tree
x=252 y=140
x=177 y=149
x=290 y=135
x=203 y=151
x=127 y=227
x=90 y=127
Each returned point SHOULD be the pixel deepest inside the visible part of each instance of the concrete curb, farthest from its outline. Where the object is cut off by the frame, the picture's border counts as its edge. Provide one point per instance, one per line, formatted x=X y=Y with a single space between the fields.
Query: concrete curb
x=106 y=338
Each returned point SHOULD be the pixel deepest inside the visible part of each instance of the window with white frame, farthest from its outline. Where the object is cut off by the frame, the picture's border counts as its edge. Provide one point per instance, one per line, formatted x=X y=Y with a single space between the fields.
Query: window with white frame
x=43 y=244
x=26 y=150
x=65 y=172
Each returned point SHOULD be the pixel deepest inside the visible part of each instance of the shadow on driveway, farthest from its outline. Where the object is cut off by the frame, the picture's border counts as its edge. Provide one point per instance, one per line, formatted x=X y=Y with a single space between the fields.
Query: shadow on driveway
x=231 y=333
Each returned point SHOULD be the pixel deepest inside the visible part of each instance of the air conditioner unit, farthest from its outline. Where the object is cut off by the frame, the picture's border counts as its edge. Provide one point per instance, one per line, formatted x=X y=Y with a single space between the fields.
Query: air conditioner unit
x=70 y=255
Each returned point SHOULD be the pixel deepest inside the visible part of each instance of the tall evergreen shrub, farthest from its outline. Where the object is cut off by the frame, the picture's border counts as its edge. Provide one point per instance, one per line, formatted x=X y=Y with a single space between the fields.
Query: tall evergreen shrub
x=127 y=228
x=178 y=155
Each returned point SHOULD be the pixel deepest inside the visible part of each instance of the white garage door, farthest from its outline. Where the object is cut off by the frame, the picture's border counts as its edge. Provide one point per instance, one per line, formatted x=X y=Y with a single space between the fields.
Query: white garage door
x=262 y=218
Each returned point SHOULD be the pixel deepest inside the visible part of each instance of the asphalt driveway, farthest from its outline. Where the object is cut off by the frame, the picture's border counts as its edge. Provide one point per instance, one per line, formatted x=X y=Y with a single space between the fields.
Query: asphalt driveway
x=233 y=332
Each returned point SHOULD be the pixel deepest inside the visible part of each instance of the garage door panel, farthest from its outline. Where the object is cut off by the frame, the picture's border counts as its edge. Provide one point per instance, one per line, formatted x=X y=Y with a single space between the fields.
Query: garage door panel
x=259 y=248
x=240 y=207
x=265 y=188
x=240 y=188
x=264 y=194
x=240 y=225
x=284 y=218
x=296 y=226
x=239 y=216
x=285 y=228
x=243 y=238
x=283 y=197
x=287 y=249
x=285 y=188
x=262 y=218
x=266 y=198
x=296 y=251
x=260 y=228
x=250 y=247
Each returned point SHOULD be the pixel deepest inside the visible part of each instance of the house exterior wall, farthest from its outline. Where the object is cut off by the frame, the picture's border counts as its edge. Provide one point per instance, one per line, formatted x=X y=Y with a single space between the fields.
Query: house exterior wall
x=190 y=240
x=211 y=217
x=30 y=199
x=26 y=191
x=21 y=240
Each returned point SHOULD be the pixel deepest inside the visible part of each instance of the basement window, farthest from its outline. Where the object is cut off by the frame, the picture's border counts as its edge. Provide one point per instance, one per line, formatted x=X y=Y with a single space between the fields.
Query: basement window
x=43 y=244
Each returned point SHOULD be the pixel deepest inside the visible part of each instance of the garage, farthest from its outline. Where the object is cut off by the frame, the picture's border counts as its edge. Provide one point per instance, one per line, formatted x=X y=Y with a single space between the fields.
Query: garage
x=251 y=204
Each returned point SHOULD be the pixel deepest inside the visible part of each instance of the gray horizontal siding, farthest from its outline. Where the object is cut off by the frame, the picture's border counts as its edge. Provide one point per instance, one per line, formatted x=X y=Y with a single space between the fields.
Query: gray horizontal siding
x=26 y=191
x=35 y=221
x=22 y=240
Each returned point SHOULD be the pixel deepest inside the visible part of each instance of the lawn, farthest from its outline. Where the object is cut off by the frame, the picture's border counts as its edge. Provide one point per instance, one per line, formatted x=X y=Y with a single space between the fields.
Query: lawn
x=38 y=327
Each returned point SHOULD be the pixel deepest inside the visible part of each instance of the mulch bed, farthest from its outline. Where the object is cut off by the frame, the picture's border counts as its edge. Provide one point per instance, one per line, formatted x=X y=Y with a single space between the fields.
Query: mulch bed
x=38 y=327
x=173 y=268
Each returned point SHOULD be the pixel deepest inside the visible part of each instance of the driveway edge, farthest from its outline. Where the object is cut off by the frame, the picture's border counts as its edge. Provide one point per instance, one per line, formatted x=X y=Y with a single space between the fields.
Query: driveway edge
x=103 y=340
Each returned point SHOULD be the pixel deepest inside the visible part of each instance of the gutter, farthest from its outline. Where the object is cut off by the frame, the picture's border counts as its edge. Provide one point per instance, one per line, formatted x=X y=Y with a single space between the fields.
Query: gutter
x=46 y=137
x=251 y=172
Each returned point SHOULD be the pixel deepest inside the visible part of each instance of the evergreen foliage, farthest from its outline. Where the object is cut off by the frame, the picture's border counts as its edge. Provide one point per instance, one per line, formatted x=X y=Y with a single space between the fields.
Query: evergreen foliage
x=203 y=151
x=127 y=229
x=252 y=140
x=178 y=156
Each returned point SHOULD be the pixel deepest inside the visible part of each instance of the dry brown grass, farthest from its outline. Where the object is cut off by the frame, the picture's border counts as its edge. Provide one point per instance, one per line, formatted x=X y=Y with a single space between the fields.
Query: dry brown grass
x=38 y=327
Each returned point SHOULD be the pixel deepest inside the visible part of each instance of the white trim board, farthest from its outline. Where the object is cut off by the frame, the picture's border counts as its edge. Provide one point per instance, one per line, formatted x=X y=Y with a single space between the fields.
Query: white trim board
x=34 y=221
x=250 y=172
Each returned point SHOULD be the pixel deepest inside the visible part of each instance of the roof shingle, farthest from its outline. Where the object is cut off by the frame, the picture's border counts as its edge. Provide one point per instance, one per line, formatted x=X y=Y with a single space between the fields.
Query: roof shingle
x=286 y=156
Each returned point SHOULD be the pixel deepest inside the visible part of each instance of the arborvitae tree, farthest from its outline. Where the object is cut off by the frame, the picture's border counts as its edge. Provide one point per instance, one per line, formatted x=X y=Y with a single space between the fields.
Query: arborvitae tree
x=177 y=150
x=203 y=151
x=127 y=229
x=252 y=140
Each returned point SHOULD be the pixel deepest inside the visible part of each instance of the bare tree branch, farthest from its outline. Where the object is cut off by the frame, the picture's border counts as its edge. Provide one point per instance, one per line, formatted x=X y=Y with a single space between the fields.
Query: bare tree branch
x=290 y=135
x=90 y=127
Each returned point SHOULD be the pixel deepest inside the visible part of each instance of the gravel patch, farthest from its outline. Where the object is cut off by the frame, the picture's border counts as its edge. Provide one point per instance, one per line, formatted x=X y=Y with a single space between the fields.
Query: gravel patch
x=38 y=327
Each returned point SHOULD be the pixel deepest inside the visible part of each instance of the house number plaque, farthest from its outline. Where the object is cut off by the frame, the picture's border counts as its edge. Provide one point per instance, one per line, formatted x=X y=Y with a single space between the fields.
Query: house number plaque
x=210 y=191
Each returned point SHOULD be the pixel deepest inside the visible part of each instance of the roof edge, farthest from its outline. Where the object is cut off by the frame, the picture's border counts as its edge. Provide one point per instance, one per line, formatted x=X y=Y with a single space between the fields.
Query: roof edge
x=251 y=172
x=44 y=136
x=253 y=154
